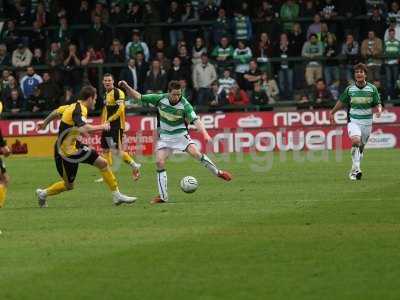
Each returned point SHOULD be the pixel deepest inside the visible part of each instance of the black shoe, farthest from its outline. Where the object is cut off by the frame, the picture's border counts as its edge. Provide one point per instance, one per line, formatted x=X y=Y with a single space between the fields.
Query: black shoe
x=359 y=175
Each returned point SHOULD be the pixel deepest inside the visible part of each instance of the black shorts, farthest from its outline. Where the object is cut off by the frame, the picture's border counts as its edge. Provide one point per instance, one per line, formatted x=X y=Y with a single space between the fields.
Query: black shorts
x=67 y=166
x=112 y=139
x=2 y=167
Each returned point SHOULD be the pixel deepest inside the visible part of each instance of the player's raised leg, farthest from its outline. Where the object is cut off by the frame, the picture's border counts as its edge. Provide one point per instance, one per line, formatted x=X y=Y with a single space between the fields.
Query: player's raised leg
x=110 y=180
x=206 y=162
x=4 y=180
x=162 y=179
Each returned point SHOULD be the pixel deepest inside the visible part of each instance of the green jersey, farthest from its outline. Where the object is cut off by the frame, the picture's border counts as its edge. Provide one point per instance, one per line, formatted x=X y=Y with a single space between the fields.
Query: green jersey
x=172 y=119
x=360 y=101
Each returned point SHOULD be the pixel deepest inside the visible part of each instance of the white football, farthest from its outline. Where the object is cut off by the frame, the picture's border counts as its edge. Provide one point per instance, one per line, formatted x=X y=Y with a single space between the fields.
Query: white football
x=189 y=184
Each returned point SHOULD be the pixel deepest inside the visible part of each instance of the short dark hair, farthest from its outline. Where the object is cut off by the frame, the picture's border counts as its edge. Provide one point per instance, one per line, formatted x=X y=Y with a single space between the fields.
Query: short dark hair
x=86 y=92
x=174 y=85
x=360 y=66
x=108 y=75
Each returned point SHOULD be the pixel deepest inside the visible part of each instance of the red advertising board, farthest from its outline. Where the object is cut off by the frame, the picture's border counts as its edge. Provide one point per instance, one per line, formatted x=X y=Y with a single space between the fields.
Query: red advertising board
x=240 y=132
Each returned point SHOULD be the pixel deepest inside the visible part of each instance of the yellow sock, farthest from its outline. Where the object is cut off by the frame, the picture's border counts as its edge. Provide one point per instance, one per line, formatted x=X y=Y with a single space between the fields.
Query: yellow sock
x=3 y=192
x=108 y=157
x=109 y=179
x=56 y=188
x=127 y=158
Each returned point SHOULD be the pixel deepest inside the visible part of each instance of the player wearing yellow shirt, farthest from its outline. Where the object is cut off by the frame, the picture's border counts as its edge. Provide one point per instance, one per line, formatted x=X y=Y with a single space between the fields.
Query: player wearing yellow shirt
x=69 y=152
x=4 y=178
x=114 y=113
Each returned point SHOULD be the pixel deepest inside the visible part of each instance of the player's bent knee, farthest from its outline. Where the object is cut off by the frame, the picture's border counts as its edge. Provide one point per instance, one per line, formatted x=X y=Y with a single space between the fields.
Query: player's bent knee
x=356 y=141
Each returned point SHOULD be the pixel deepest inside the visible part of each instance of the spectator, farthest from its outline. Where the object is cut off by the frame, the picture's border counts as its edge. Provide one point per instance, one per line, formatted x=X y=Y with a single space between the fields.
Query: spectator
x=238 y=96
x=37 y=59
x=289 y=11
x=156 y=80
x=130 y=75
x=54 y=56
x=270 y=26
x=189 y=15
x=63 y=34
x=4 y=82
x=331 y=69
x=297 y=38
x=187 y=92
x=328 y=10
x=226 y=81
x=135 y=46
x=98 y=34
x=321 y=96
x=159 y=46
x=174 y=16
x=375 y=23
x=9 y=35
x=22 y=56
x=72 y=75
x=393 y=25
x=115 y=55
x=372 y=4
x=14 y=103
x=22 y=15
x=68 y=96
x=265 y=9
x=29 y=82
x=135 y=14
x=258 y=96
x=203 y=75
x=183 y=54
x=223 y=54
x=12 y=84
x=92 y=57
x=49 y=91
x=371 y=50
x=176 y=72
x=241 y=56
x=198 y=49
x=165 y=62
x=100 y=11
x=216 y=97
x=36 y=103
x=222 y=26
x=83 y=16
x=270 y=86
x=209 y=11
x=350 y=50
x=251 y=76
x=285 y=68
x=263 y=52
x=313 y=49
x=4 y=56
x=308 y=10
x=392 y=52
x=40 y=16
x=242 y=28
x=151 y=33
x=315 y=28
x=117 y=15
x=394 y=12
x=38 y=36
x=323 y=36
x=142 y=68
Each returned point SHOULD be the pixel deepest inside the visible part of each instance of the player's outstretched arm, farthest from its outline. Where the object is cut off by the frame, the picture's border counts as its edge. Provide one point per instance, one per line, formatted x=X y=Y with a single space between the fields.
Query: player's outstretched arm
x=55 y=114
x=130 y=91
x=200 y=127
x=87 y=128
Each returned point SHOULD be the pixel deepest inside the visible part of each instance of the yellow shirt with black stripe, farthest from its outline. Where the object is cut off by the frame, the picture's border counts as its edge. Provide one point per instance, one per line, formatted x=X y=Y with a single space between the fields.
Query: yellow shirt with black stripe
x=114 y=109
x=72 y=117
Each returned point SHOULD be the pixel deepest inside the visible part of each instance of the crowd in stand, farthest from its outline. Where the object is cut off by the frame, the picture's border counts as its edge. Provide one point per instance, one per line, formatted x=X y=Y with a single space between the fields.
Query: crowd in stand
x=242 y=55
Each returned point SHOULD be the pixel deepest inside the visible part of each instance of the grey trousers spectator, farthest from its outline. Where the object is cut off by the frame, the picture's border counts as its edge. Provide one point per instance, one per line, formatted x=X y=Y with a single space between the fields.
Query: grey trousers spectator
x=202 y=95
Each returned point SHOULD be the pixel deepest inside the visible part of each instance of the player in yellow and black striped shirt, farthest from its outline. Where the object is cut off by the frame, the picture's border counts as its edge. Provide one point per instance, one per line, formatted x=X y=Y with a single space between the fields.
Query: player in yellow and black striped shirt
x=114 y=113
x=4 y=178
x=69 y=152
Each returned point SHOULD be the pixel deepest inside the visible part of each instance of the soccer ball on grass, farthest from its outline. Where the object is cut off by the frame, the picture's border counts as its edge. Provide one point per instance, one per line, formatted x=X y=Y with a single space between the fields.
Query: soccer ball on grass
x=189 y=184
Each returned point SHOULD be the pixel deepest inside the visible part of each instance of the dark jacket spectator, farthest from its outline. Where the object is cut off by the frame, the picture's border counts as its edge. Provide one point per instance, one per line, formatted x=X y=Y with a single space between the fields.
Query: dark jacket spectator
x=177 y=72
x=14 y=103
x=156 y=79
x=142 y=68
x=131 y=75
x=4 y=56
x=36 y=103
x=83 y=15
x=49 y=91
x=99 y=34
x=321 y=95
x=258 y=96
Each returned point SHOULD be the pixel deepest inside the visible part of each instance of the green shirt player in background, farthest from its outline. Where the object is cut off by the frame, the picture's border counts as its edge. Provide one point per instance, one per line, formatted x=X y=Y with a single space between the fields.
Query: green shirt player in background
x=174 y=113
x=360 y=98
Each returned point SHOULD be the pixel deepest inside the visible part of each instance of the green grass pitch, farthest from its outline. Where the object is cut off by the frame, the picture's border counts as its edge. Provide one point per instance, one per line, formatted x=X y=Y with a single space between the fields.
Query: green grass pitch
x=289 y=226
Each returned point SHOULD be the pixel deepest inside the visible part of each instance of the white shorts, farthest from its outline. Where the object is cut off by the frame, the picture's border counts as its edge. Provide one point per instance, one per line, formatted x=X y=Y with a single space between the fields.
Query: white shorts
x=179 y=143
x=362 y=131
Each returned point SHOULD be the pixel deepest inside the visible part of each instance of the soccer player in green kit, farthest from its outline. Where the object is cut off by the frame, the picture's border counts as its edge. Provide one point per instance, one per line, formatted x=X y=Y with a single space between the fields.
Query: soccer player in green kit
x=360 y=98
x=174 y=113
